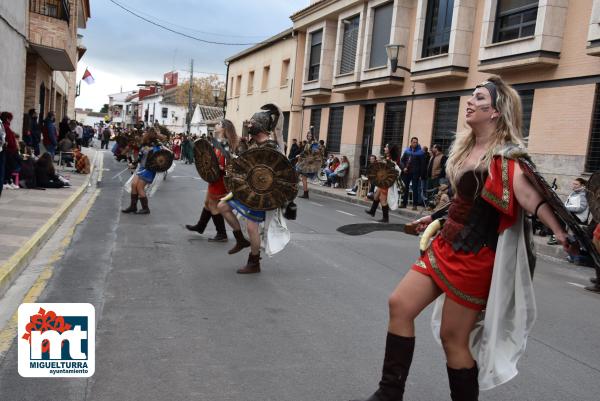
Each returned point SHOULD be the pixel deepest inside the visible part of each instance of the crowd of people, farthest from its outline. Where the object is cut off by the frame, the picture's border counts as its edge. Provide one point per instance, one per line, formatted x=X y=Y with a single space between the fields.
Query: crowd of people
x=27 y=157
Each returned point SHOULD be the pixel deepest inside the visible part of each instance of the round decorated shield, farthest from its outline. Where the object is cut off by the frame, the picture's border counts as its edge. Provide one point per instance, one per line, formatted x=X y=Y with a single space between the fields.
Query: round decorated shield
x=310 y=164
x=206 y=161
x=593 y=195
x=383 y=174
x=160 y=161
x=262 y=179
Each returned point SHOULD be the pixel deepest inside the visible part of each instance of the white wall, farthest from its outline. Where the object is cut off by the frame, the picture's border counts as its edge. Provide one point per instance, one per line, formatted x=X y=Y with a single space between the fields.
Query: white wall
x=13 y=58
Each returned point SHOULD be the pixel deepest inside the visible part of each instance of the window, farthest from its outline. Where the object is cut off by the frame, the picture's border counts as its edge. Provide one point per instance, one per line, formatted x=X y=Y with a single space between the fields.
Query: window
x=437 y=27
x=349 y=43
x=238 y=85
x=285 y=70
x=315 y=122
x=515 y=19
x=527 y=103
x=265 y=78
x=231 y=91
x=445 y=121
x=314 y=60
x=592 y=162
x=286 y=125
x=250 y=82
x=165 y=112
x=393 y=124
x=334 y=130
x=382 y=29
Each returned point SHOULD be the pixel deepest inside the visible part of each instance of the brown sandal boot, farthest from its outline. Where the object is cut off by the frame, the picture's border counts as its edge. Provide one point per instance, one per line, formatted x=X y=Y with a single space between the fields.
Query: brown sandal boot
x=253 y=265
x=240 y=243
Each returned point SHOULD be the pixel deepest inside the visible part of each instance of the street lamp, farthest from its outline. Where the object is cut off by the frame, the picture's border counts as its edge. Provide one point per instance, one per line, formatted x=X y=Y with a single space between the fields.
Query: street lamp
x=216 y=91
x=392 y=51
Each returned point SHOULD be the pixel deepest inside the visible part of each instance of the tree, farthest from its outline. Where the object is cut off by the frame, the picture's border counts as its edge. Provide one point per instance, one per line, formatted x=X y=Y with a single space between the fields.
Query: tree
x=104 y=108
x=201 y=91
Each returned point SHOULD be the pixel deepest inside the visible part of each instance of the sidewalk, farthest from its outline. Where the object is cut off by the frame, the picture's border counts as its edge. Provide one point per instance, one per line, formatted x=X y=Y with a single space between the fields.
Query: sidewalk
x=28 y=217
x=552 y=251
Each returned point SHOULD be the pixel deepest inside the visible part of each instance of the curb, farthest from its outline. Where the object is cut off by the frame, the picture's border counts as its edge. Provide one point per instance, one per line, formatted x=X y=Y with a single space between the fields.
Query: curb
x=12 y=268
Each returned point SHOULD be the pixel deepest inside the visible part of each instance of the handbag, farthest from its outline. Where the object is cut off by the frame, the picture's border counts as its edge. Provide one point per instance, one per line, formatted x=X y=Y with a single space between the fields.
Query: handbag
x=291 y=211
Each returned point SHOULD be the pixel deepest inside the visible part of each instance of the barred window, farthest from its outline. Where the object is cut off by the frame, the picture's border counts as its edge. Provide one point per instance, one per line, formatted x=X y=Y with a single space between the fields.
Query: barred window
x=527 y=103
x=315 y=122
x=350 y=41
x=515 y=19
x=445 y=121
x=334 y=130
x=393 y=123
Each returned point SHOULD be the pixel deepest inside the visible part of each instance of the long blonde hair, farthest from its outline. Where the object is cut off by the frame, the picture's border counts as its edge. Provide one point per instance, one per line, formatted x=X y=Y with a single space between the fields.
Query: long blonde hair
x=508 y=130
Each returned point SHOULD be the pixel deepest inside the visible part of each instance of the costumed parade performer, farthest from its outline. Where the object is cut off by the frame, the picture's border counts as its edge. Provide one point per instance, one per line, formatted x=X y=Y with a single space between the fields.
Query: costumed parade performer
x=480 y=259
x=225 y=143
x=150 y=146
x=309 y=161
x=385 y=193
x=266 y=179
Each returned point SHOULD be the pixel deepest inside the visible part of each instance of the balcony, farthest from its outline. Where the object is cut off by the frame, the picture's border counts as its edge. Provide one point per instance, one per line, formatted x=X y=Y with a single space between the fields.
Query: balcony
x=51 y=34
x=58 y=9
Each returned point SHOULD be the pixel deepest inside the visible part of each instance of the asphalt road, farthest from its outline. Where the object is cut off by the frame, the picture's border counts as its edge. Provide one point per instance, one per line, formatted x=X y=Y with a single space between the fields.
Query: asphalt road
x=174 y=321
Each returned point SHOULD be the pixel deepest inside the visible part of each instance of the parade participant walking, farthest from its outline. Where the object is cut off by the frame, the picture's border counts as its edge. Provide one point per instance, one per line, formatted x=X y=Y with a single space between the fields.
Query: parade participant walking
x=308 y=160
x=224 y=144
x=259 y=127
x=391 y=154
x=143 y=176
x=481 y=250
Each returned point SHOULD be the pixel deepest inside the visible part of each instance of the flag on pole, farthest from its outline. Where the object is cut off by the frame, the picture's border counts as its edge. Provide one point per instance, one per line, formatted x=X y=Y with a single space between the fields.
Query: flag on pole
x=87 y=77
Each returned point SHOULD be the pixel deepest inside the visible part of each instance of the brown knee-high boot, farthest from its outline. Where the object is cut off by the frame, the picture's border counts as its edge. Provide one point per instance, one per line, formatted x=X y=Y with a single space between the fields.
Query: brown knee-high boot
x=133 y=205
x=464 y=383
x=396 y=364
x=240 y=242
x=386 y=214
x=145 y=209
x=202 y=222
x=253 y=265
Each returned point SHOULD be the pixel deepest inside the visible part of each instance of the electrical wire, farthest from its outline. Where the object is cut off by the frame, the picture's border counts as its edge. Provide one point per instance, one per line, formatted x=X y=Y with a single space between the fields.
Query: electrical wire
x=179 y=32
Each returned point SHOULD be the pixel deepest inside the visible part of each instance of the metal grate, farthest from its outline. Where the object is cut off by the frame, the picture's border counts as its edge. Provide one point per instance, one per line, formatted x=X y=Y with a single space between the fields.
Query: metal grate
x=349 y=44
x=445 y=121
x=592 y=163
x=393 y=124
x=315 y=122
x=527 y=103
x=438 y=27
x=334 y=130
x=367 y=139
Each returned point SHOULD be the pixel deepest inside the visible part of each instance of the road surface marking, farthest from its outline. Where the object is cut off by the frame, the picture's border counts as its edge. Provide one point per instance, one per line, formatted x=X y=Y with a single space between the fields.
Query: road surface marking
x=315 y=203
x=342 y=212
x=576 y=284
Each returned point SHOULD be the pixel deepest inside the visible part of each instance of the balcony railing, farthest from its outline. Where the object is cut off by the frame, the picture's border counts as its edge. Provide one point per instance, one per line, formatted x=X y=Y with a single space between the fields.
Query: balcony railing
x=51 y=8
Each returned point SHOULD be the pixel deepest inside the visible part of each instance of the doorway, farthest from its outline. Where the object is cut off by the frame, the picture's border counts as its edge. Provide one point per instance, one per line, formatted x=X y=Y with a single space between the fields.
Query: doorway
x=367 y=139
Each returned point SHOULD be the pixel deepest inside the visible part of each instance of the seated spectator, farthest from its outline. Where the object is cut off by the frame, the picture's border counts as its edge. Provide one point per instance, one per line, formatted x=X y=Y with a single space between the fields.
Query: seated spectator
x=45 y=175
x=339 y=172
x=352 y=191
x=66 y=146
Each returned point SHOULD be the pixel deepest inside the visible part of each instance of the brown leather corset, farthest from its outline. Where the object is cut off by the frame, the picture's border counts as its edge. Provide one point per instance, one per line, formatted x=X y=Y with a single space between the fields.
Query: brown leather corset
x=472 y=222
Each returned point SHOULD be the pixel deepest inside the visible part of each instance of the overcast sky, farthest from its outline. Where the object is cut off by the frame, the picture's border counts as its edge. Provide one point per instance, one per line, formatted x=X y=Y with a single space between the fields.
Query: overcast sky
x=123 y=50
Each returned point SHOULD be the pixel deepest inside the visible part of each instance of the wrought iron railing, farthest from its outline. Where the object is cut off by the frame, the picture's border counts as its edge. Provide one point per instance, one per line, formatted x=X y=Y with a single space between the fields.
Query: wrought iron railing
x=51 y=8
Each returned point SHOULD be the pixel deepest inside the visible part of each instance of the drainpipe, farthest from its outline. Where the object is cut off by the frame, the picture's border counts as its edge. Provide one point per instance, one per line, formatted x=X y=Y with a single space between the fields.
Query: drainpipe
x=226 y=84
x=412 y=106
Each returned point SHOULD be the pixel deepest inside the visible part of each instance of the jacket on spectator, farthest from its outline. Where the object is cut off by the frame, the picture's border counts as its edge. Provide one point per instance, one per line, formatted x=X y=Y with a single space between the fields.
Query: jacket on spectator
x=50 y=132
x=341 y=169
x=11 y=140
x=577 y=204
x=414 y=161
x=442 y=173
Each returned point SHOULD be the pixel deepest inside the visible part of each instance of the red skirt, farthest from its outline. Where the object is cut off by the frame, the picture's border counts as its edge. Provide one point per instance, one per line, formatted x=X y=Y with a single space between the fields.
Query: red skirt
x=217 y=190
x=464 y=277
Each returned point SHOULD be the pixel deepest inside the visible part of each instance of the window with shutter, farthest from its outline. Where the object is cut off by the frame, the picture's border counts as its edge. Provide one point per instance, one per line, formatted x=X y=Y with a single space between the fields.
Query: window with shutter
x=527 y=103
x=334 y=130
x=393 y=123
x=349 y=44
x=437 y=27
x=314 y=61
x=315 y=122
x=515 y=19
x=382 y=29
x=445 y=121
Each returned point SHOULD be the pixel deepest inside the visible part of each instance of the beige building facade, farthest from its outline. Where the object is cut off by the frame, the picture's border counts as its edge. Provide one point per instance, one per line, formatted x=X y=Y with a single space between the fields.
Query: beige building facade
x=267 y=73
x=53 y=50
x=547 y=49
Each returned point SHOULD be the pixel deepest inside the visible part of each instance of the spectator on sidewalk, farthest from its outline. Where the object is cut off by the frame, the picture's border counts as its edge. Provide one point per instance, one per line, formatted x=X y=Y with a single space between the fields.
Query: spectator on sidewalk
x=11 y=158
x=436 y=168
x=36 y=131
x=412 y=165
x=66 y=147
x=294 y=150
x=341 y=170
x=49 y=131
x=577 y=204
x=63 y=128
x=45 y=175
